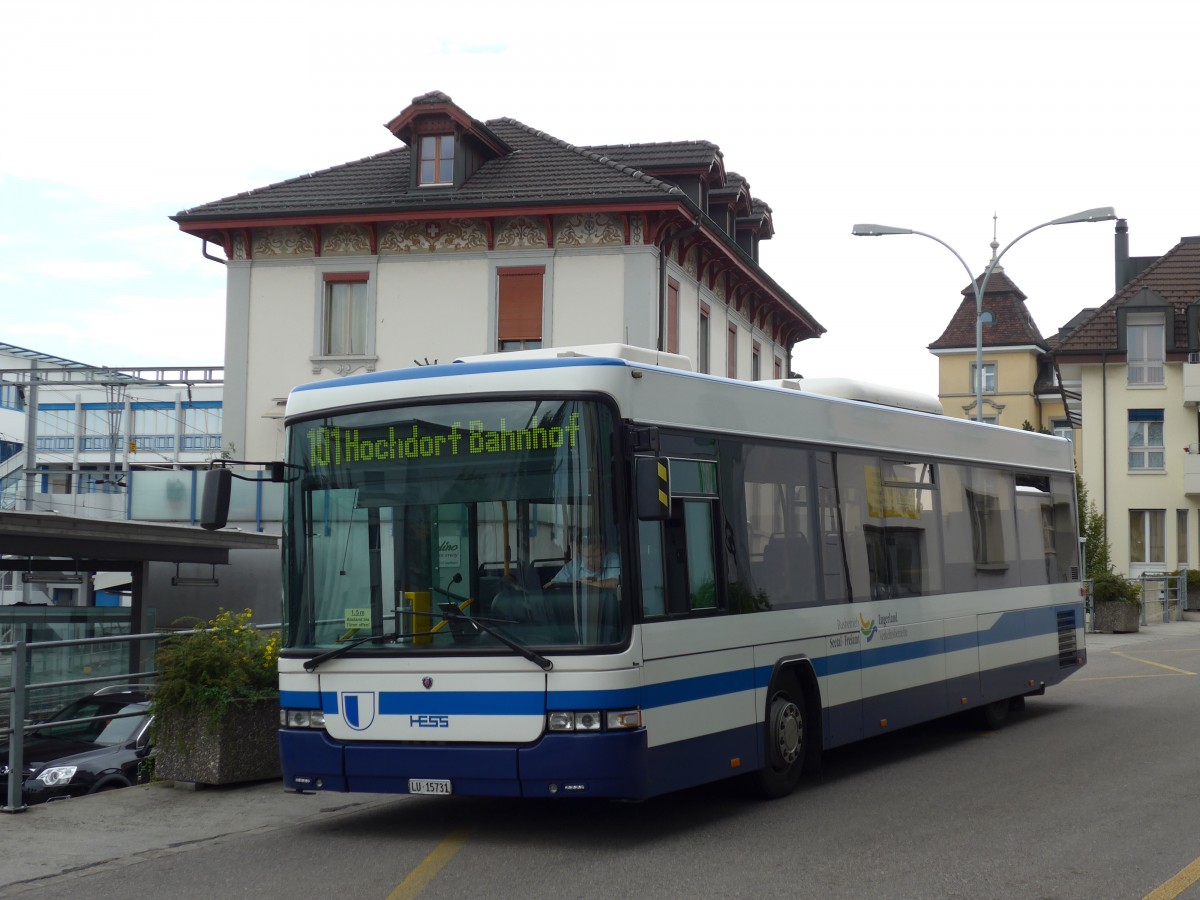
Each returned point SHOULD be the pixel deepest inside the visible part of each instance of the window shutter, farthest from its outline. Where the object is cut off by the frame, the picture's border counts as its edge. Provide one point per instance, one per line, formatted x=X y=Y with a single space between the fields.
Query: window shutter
x=672 y=315
x=520 y=300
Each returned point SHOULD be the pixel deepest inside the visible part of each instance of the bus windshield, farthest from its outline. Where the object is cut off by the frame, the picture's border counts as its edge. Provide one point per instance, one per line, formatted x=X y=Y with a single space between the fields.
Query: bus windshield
x=404 y=524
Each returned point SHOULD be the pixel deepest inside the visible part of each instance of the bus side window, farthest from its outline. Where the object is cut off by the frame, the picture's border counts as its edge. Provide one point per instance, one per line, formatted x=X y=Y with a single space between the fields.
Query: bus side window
x=691 y=563
x=650 y=549
x=702 y=555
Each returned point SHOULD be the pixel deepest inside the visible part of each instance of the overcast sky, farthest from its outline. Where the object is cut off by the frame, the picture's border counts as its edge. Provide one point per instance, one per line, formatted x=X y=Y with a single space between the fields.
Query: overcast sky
x=926 y=115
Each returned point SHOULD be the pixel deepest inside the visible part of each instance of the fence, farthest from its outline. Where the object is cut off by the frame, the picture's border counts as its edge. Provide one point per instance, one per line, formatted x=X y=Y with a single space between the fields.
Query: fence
x=1164 y=597
x=24 y=698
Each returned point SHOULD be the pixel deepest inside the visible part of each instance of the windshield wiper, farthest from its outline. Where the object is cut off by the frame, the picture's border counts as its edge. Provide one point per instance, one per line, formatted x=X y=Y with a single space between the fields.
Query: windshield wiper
x=311 y=664
x=452 y=614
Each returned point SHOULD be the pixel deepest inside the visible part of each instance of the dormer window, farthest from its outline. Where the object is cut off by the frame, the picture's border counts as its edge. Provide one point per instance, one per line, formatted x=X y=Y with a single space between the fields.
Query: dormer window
x=437 y=159
x=1146 y=346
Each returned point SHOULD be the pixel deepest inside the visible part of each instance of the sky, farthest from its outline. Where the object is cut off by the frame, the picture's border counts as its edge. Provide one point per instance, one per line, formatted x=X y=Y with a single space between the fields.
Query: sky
x=952 y=117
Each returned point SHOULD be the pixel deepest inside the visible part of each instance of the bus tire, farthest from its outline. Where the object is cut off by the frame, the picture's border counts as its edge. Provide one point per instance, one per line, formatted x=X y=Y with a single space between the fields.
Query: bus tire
x=993 y=715
x=787 y=740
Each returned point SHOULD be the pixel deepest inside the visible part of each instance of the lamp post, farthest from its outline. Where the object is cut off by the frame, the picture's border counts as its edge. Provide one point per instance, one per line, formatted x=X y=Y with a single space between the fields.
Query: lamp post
x=1100 y=214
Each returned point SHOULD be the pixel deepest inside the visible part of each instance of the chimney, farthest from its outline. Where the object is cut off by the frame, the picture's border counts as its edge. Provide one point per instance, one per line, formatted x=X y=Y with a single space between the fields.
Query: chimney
x=1121 y=253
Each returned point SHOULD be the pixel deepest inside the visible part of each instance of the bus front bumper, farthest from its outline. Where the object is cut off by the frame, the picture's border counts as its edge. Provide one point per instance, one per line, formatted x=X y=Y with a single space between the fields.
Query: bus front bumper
x=605 y=764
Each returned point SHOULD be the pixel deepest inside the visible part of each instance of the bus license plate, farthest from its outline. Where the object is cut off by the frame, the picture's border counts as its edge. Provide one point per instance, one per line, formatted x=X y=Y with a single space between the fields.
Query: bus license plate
x=429 y=786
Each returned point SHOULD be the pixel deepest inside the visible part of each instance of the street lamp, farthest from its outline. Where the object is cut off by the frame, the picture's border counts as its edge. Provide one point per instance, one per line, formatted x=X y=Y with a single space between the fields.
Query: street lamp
x=1100 y=214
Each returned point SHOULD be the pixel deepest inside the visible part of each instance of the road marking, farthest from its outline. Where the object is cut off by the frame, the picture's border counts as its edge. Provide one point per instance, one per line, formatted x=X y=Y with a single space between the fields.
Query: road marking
x=418 y=879
x=1149 y=663
x=1171 y=889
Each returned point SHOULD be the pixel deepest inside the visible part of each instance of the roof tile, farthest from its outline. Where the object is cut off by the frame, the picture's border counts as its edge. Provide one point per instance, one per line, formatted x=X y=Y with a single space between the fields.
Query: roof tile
x=1175 y=277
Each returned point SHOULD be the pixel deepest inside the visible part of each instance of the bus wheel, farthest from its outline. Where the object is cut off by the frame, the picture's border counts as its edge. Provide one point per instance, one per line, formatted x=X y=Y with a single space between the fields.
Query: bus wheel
x=993 y=715
x=786 y=742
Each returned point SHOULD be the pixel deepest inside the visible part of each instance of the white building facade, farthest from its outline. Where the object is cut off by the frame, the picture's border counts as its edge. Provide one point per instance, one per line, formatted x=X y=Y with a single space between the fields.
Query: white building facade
x=482 y=237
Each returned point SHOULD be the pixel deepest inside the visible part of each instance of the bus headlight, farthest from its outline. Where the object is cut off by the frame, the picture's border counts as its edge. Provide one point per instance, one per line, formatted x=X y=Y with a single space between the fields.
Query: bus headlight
x=302 y=718
x=594 y=720
x=587 y=721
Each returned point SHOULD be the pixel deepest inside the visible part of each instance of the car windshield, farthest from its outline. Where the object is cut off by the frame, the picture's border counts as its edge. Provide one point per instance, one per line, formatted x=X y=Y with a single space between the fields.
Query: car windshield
x=405 y=524
x=105 y=728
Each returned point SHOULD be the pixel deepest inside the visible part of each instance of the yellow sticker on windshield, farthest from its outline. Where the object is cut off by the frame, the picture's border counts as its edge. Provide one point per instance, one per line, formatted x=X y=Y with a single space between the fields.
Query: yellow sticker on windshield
x=358 y=618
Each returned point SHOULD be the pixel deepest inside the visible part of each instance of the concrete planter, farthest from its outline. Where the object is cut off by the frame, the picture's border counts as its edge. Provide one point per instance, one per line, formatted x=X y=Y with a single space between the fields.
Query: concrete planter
x=1116 y=617
x=244 y=746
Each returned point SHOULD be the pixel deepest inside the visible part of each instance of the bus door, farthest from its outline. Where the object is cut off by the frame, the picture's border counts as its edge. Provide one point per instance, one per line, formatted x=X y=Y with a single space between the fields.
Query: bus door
x=699 y=684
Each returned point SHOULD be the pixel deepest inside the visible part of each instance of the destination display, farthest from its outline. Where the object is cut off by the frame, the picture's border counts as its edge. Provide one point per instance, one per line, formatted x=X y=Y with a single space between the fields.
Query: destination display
x=333 y=445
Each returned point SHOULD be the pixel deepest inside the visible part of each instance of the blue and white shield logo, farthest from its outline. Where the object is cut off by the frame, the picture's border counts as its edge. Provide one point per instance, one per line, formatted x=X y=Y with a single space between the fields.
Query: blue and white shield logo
x=358 y=709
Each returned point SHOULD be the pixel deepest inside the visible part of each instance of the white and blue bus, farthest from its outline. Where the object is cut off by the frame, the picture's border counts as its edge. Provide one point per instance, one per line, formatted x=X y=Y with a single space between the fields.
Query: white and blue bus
x=596 y=573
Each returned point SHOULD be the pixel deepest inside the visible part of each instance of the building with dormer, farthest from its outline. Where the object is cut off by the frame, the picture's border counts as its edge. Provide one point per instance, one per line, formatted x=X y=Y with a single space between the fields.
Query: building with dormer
x=475 y=237
x=1136 y=364
x=1020 y=381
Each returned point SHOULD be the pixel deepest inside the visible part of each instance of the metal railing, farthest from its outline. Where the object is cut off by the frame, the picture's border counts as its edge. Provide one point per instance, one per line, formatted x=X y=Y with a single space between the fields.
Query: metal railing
x=16 y=690
x=1163 y=597
x=1166 y=590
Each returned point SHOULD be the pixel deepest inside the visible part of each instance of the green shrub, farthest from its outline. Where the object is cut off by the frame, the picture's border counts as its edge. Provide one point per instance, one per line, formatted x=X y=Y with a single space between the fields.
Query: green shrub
x=1109 y=587
x=219 y=663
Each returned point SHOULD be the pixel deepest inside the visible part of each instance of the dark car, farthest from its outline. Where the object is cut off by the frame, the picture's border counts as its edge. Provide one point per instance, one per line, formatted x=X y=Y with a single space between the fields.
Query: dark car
x=77 y=758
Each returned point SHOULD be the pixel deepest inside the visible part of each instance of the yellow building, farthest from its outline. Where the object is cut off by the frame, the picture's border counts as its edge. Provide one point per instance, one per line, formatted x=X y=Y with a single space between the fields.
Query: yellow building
x=1021 y=387
x=1136 y=361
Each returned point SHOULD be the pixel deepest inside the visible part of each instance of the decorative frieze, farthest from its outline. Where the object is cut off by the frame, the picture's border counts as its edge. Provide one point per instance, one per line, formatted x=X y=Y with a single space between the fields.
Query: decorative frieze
x=449 y=235
x=343 y=367
x=600 y=230
x=282 y=240
x=520 y=233
x=345 y=240
x=637 y=230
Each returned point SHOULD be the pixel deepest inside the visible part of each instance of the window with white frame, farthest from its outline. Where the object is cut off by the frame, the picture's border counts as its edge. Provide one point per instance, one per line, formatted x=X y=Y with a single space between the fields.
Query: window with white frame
x=344 y=314
x=103 y=426
x=56 y=426
x=1147 y=537
x=1145 y=347
x=989 y=377
x=202 y=425
x=1181 y=538
x=1062 y=428
x=153 y=426
x=1146 y=451
x=703 y=349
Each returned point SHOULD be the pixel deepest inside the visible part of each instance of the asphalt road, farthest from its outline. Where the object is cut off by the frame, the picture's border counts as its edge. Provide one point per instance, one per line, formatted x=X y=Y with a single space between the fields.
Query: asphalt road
x=1092 y=792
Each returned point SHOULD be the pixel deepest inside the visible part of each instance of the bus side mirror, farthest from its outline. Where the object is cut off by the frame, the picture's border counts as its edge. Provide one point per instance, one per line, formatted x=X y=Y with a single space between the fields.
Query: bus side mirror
x=214 y=502
x=653 y=482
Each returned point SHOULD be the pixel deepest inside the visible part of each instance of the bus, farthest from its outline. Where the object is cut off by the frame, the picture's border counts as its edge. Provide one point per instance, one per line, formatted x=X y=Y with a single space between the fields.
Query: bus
x=594 y=572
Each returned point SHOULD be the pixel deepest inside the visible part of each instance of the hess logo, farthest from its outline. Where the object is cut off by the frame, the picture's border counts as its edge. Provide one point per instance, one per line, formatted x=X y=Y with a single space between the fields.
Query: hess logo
x=429 y=721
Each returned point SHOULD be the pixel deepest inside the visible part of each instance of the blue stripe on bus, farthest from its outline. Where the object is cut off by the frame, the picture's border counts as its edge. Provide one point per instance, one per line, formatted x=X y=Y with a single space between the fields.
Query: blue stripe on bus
x=624 y=698
x=1008 y=627
x=452 y=369
x=397 y=703
x=668 y=693
x=463 y=703
x=300 y=700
